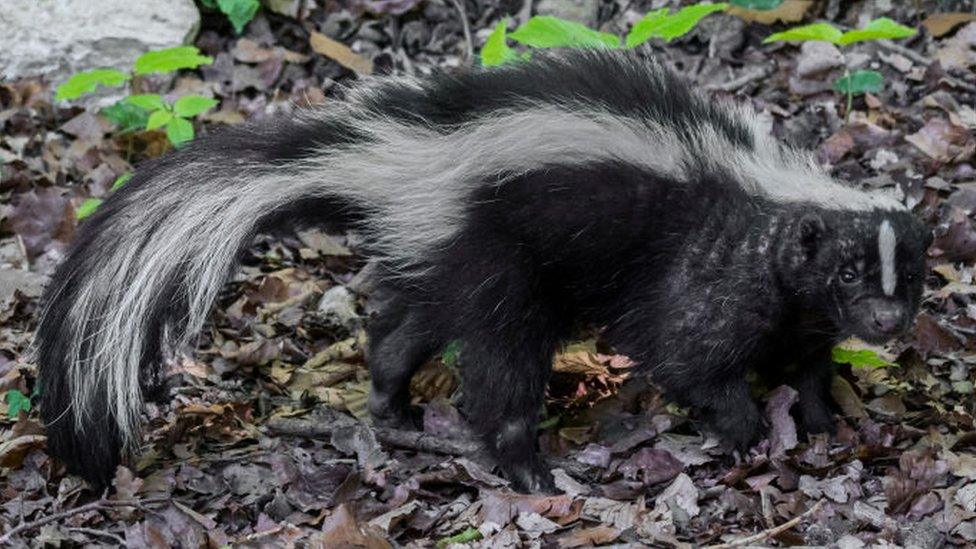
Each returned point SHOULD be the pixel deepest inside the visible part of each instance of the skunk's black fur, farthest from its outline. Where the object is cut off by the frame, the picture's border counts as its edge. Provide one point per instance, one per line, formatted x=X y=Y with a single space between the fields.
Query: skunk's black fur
x=506 y=208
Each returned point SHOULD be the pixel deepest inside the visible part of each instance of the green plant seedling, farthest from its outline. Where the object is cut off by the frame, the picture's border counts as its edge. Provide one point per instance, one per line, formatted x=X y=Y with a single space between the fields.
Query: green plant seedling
x=858 y=82
x=86 y=82
x=238 y=12
x=660 y=24
x=170 y=59
x=859 y=358
x=760 y=5
x=543 y=31
x=174 y=118
x=17 y=402
x=89 y=206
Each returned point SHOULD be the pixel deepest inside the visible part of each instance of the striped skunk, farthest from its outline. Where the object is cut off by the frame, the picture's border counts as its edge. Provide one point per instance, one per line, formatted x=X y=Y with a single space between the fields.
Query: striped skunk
x=506 y=208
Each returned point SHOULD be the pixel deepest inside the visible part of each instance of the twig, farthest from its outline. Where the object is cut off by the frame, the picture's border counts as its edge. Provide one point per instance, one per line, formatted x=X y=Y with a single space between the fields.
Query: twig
x=925 y=62
x=740 y=82
x=409 y=440
x=466 y=26
x=771 y=532
x=94 y=532
x=93 y=506
x=907 y=52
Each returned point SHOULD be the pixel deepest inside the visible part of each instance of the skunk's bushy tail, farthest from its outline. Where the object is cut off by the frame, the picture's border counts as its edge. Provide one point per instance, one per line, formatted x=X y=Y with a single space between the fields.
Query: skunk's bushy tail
x=145 y=269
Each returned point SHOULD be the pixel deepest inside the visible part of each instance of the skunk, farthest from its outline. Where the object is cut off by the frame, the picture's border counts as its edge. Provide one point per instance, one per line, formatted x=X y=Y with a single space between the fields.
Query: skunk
x=506 y=208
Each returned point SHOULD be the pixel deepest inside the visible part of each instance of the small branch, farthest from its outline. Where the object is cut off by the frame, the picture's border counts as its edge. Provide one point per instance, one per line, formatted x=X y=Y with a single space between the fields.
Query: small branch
x=466 y=26
x=94 y=532
x=740 y=82
x=408 y=440
x=93 y=506
x=771 y=532
x=925 y=62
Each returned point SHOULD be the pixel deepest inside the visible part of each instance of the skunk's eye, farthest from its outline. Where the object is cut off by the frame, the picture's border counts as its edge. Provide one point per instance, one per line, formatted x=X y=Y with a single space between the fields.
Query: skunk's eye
x=848 y=275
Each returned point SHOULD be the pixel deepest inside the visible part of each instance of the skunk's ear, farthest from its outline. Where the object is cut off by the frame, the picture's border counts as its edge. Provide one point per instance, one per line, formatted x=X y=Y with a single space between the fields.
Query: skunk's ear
x=808 y=236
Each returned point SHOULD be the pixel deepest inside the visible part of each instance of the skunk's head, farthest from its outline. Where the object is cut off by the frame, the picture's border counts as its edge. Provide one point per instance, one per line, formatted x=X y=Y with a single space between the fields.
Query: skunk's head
x=862 y=271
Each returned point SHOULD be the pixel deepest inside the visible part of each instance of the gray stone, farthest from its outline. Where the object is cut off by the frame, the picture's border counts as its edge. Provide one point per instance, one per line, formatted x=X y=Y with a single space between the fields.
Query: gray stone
x=581 y=11
x=57 y=38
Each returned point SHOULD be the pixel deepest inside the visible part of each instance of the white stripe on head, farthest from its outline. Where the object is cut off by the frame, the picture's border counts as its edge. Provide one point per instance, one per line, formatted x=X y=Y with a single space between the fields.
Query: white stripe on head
x=886 y=250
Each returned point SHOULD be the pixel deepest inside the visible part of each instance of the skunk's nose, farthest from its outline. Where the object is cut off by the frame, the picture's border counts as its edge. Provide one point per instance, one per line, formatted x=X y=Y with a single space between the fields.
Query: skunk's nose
x=888 y=320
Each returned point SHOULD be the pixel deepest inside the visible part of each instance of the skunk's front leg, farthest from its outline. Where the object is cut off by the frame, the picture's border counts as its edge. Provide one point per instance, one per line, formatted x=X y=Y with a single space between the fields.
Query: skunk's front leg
x=504 y=383
x=812 y=382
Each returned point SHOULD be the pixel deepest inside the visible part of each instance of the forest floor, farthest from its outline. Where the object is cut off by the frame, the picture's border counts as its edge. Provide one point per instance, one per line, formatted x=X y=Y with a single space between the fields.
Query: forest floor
x=257 y=439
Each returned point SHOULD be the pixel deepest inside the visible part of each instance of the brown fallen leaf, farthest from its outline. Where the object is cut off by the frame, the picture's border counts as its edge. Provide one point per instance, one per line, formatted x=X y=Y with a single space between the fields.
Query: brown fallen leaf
x=790 y=11
x=588 y=537
x=340 y=53
x=958 y=51
x=944 y=141
x=940 y=24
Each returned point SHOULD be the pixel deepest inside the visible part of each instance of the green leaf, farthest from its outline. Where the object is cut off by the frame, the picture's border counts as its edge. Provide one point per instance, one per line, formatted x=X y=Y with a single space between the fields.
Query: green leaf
x=87 y=208
x=451 y=353
x=546 y=31
x=158 y=119
x=126 y=116
x=657 y=24
x=496 y=50
x=121 y=180
x=148 y=101
x=239 y=12
x=212 y=4
x=179 y=131
x=824 y=32
x=16 y=403
x=171 y=59
x=879 y=29
x=86 y=82
x=761 y=5
x=191 y=105
x=859 y=358
x=860 y=82
x=468 y=535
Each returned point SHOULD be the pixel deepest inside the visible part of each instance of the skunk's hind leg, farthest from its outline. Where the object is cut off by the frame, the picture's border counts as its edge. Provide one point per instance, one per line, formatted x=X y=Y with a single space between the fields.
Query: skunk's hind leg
x=400 y=342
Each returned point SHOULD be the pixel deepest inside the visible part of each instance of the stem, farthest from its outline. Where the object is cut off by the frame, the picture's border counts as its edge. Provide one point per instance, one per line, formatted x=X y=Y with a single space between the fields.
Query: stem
x=850 y=96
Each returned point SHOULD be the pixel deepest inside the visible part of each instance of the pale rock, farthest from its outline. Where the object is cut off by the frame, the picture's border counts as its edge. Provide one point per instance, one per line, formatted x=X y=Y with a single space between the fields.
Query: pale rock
x=54 y=39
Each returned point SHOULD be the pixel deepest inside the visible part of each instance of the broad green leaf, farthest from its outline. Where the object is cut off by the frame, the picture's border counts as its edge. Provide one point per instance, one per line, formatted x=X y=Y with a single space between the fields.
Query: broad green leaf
x=497 y=50
x=762 y=5
x=669 y=27
x=239 y=12
x=86 y=82
x=88 y=207
x=467 y=536
x=824 y=32
x=171 y=59
x=126 y=116
x=121 y=180
x=546 y=31
x=16 y=403
x=859 y=358
x=879 y=29
x=451 y=353
x=860 y=82
x=179 y=131
x=158 y=119
x=212 y=4
x=148 y=101
x=643 y=30
x=189 y=106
